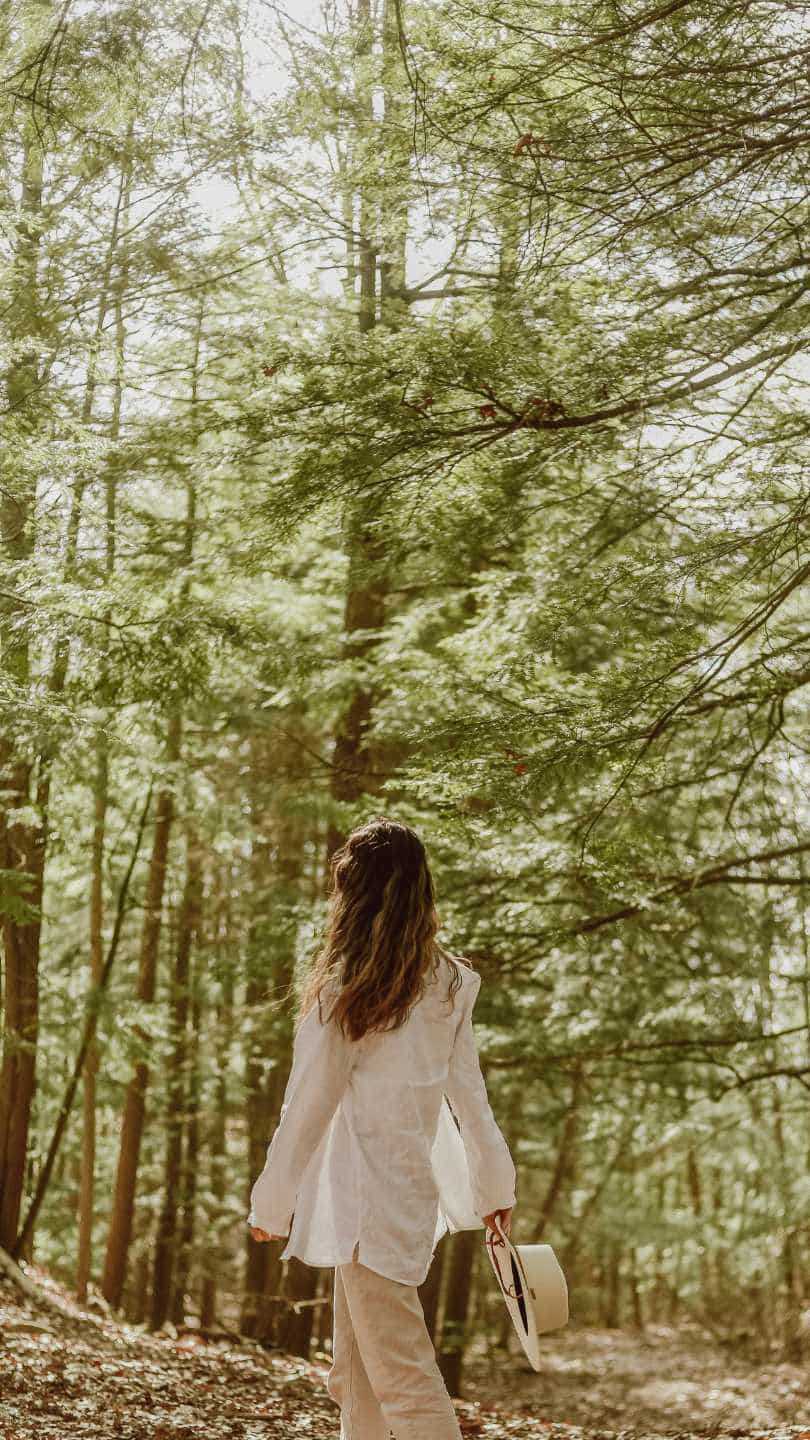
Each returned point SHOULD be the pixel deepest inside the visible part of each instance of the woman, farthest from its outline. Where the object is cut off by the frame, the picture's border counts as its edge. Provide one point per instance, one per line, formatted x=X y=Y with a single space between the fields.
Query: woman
x=363 y=1171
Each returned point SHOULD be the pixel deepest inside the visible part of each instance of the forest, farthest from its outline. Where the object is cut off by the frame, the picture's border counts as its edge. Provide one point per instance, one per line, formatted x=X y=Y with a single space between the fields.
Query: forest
x=405 y=412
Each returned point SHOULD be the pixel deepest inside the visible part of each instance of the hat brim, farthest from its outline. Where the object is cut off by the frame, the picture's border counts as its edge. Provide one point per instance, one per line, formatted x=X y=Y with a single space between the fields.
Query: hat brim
x=514 y=1286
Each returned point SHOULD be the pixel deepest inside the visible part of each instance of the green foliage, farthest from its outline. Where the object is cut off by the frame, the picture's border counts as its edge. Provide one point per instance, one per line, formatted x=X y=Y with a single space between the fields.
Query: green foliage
x=534 y=509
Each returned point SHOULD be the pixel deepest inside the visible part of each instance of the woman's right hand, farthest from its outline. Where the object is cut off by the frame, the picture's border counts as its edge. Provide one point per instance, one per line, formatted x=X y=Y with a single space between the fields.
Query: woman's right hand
x=503 y=1217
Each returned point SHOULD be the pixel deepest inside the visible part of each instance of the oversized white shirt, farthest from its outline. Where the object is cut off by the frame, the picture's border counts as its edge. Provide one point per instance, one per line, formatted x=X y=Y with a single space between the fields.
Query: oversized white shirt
x=366 y=1150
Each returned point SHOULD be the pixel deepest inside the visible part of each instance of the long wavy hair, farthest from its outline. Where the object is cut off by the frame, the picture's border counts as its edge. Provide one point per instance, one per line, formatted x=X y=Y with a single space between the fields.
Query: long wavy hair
x=380 y=934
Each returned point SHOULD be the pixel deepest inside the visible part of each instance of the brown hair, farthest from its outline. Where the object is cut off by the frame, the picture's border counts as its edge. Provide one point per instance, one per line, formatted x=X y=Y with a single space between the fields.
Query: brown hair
x=380 y=934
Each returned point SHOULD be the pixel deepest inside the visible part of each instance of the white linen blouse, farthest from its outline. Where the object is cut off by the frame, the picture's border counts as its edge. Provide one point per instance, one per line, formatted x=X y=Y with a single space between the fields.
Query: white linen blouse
x=366 y=1150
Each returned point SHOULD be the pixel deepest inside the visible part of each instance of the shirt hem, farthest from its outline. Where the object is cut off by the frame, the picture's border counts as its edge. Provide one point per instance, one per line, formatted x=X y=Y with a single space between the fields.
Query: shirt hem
x=332 y=1263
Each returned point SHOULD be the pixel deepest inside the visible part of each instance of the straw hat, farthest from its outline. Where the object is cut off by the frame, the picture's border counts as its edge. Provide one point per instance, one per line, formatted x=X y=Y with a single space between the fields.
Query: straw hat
x=533 y=1286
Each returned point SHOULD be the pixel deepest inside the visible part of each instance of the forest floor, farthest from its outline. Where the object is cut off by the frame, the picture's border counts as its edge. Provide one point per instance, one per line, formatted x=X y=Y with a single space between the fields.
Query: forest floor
x=66 y=1373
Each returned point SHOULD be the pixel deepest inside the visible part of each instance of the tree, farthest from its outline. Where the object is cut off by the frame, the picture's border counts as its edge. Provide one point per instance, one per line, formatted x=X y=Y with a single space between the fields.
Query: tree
x=424 y=433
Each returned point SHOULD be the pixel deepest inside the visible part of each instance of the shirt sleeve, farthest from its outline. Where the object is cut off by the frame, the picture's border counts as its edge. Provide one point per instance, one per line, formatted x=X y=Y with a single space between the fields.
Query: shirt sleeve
x=492 y=1171
x=322 y=1062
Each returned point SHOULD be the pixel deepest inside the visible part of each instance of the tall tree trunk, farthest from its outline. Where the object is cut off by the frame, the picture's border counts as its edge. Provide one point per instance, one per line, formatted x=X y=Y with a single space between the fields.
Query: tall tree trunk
x=791 y=1276
x=364 y=611
x=213 y=1258
x=22 y=1244
x=263 y=1090
x=277 y=863
x=176 y=1080
x=463 y=1247
x=353 y=760
x=87 y=1174
x=395 y=159
x=120 y=1233
x=366 y=245
x=694 y=1184
x=101 y=783
x=22 y=841
x=190 y=1167
x=262 y=1262
x=613 y=1289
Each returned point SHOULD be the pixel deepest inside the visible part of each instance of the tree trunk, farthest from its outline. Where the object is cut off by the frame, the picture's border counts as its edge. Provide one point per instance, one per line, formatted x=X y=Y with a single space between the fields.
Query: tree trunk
x=264 y=1092
x=22 y=840
x=166 y=1241
x=189 y=1171
x=694 y=1184
x=463 y=1247
x=612 y=1313
x=565 y=1163
x=355 y=765
x=139 y=1297
x=120 y=1233
x=213 y=1255
x=294 y=1329
x=277 y=862
x=291 y=1330
x=431 y=1288
x=791 y=1279
x=135 y=1106
x=324 y=1319
x=22 y=1244
x=101 y=778
x=262 y=1263
x=88 y=1155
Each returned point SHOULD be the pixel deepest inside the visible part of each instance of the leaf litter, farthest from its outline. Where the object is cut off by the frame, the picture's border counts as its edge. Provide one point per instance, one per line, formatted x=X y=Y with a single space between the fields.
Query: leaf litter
x=70 y=1372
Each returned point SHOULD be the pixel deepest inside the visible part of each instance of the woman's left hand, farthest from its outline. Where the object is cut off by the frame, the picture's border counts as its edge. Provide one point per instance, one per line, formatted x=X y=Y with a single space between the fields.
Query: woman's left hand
x=262 y=1235
x=504 y=1217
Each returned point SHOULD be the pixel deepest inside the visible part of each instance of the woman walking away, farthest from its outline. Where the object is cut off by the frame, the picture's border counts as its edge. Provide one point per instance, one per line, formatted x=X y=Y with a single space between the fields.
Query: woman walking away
x=367 y=1170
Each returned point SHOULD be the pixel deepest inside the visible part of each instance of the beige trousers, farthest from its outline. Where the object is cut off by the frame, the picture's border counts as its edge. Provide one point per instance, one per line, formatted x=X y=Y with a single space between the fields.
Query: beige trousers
x=384 y=1374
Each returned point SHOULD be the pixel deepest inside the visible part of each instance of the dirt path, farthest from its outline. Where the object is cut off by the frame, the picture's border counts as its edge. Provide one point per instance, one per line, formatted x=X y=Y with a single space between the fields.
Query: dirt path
x=660 y=1381
x=70 y=1375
